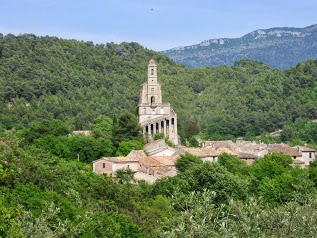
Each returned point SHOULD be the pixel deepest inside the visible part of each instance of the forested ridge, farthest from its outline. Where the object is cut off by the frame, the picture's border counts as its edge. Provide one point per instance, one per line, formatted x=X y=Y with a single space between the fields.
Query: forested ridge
x=47 y=77
x=51 y=86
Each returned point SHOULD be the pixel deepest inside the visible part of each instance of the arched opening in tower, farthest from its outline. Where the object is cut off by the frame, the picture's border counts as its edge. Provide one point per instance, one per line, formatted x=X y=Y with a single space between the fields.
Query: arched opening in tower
x=152 y=99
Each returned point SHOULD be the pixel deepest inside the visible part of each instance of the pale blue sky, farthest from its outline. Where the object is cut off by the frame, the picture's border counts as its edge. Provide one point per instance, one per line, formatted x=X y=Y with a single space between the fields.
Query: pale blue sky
x=171 y=23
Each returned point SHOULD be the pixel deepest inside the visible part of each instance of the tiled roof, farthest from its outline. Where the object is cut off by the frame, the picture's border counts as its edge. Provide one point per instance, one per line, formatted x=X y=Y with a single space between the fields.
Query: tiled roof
x=283 y=149
x=242 y=155
x=305 y=149
x=227 y=151
x=166 y=160
x=221 y=144
x=119 y=159
x=136 y=154
x=150 y=161
x=202 y=152
x=161 y=170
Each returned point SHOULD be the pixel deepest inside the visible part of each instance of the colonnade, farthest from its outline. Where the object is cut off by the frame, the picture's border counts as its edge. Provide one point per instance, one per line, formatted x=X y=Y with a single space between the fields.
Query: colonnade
x=167 y=126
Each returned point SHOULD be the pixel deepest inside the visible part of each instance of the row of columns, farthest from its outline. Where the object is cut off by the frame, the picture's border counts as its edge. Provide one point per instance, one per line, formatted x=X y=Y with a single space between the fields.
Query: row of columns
x=168 y=127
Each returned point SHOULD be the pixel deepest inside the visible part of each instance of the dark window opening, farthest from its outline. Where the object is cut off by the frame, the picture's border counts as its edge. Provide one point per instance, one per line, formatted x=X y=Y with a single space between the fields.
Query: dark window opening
x=152 y=100
x=103 y=165
x=310 y=155
x=152 y=71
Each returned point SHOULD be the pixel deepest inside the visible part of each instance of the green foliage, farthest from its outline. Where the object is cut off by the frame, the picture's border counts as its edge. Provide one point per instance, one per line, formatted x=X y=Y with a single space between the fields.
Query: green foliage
x=102 y=127
x=271 y=165
x=158 y=136
x=197 y=176
x=125 y=176
x=8 y=225
x=193 y=142
x=41 y=79
x=126 y=128
x=187 y=161
x=51 y=86
x=125 y=147
x=232 y=164
x=52 y=127
x=203 y=218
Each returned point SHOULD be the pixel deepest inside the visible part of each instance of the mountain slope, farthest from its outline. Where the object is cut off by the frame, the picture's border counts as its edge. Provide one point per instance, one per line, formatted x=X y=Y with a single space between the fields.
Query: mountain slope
x=47 y=77
x=277 y=47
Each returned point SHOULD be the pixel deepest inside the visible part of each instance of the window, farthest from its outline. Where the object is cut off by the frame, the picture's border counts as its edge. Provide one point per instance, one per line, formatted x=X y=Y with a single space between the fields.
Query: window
x=152 y=100
x=152 y=71
x=310 y=155
x=152 y=90
x=103 y=165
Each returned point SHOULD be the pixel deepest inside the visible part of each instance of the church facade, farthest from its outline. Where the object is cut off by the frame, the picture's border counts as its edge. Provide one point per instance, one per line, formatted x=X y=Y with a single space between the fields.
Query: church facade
x=154 y=115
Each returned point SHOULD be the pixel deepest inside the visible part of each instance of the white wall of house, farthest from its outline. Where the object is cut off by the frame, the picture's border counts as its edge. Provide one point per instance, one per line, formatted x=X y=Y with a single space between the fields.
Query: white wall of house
x=308 y=156
x=166 y=152
x=133 y=165
x=210 y=159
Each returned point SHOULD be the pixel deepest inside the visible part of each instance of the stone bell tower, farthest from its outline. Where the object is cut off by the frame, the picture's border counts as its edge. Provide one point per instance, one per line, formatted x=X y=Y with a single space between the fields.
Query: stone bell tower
x=154 y=115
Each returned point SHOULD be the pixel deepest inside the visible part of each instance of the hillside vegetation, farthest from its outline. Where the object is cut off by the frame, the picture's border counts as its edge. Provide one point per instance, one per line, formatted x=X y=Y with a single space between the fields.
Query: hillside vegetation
x=51 y=78
x=50 y=86
x=279 y=47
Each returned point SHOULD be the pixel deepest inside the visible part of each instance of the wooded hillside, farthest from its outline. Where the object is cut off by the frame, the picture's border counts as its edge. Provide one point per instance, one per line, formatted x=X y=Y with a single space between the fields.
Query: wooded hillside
x=47 y=77
x=50 y=86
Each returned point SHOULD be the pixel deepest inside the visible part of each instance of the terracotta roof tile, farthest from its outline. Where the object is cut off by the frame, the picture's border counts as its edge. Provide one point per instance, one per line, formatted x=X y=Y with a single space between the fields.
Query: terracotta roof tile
x=242 y=155
x=283 y=149
x=136 y=154
x=150 y=161
x=202 y=152
x=220 y=144
x=305 y=148
x=119 y=159
x=166 y=160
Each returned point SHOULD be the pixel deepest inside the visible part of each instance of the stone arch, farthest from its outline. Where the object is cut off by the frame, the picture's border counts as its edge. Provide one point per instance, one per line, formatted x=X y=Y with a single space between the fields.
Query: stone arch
x=152 y=99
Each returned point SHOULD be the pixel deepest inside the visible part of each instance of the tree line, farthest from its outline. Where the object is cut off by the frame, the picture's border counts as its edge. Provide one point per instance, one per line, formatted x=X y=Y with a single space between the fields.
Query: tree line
x=75 y=82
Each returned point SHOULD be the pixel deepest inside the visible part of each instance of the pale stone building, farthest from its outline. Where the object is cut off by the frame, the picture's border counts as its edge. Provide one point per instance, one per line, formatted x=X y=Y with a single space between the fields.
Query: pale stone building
x=308 y=154
x=154 y=115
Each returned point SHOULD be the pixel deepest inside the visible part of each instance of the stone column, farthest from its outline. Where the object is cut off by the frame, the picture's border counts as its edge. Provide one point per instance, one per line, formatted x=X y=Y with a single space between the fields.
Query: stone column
x=175 y=132
x=165 y=135
x=149 y=131
x=170 y=130
x=159 y=127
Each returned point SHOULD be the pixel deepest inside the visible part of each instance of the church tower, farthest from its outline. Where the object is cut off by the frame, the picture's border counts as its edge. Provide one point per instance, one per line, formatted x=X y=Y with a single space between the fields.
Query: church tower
x=154 y=115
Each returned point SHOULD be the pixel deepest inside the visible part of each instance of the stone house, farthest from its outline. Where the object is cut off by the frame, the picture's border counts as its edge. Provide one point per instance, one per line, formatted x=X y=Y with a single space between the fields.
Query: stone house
x=148 y=168
x=308 y=154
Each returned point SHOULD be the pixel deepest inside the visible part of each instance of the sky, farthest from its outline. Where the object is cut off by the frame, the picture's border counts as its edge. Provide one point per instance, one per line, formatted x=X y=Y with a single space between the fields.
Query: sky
x=155 y=24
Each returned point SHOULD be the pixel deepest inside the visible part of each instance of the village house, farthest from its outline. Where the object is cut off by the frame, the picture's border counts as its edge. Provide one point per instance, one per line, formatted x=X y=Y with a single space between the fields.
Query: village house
x=308 y=154
x=148 y=168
